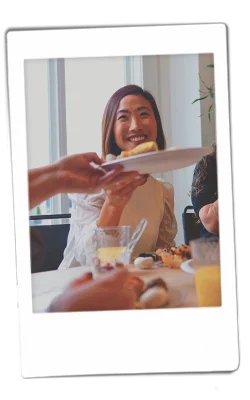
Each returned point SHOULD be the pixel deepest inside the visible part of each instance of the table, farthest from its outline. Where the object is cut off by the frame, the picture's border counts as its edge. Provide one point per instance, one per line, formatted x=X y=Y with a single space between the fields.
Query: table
x=46 y=285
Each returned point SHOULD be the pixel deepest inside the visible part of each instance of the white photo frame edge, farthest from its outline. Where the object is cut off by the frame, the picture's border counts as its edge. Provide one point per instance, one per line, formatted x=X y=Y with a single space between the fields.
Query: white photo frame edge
x=43 y=336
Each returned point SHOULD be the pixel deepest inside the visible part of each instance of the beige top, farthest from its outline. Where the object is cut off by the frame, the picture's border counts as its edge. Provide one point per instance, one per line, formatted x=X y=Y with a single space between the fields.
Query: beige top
x=153 y=201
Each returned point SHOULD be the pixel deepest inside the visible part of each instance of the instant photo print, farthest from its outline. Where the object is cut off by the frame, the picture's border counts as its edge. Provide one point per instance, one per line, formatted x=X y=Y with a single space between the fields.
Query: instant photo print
x=60 y=82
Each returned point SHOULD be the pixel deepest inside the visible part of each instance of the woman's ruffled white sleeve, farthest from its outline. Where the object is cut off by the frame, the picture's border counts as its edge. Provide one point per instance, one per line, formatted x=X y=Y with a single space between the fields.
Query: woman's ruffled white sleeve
x=84 y=217
x=168 y=226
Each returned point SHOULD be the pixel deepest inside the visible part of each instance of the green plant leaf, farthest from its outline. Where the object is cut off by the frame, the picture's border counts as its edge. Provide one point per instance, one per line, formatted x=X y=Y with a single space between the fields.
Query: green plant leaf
x=209 y=112
x=202 y=98
x=211 y=94
x=203 y=82
x=210 y=66
x=201 y=91
x=199 y=116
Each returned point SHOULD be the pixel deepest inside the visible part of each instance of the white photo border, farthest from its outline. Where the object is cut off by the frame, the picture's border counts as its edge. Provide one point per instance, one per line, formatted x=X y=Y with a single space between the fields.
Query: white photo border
x=119 y=342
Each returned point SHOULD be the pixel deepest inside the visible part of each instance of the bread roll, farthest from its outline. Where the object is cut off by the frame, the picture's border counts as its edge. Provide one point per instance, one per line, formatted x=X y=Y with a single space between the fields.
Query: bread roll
x=154 y=297
x=146 y=147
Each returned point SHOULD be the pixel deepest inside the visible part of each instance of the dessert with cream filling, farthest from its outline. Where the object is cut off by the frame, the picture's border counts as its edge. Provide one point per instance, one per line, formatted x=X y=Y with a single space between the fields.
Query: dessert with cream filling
x=155 y=294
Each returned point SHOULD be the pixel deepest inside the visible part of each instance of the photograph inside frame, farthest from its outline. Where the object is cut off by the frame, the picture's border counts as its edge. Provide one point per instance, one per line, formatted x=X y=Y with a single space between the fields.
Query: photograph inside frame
x=136 y=225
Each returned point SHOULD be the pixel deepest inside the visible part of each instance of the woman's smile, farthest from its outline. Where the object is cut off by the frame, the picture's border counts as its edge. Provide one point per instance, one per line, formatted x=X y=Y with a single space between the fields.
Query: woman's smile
x=137 y=139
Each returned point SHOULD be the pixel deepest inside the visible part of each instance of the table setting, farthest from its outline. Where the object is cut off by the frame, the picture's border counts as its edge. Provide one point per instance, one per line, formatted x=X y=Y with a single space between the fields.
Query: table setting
x=167 y=278
x=166 y=281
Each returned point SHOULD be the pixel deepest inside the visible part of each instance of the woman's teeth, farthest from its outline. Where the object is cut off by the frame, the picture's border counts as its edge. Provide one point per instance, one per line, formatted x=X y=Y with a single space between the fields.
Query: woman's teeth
x=137 y=139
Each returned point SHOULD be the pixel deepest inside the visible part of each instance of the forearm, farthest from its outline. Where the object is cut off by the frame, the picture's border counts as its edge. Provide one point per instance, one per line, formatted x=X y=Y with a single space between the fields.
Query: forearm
x=110 y=215
x=42 y=184
x=209 y=217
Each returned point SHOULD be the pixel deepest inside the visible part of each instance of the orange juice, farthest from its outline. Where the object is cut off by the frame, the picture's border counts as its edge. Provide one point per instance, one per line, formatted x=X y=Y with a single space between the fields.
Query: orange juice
x=208 y=286
x=109 y=254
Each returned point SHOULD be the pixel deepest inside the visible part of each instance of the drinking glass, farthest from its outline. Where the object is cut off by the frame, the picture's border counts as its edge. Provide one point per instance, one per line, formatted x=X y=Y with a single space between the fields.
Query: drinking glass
x=111 y=248
x=206 y=261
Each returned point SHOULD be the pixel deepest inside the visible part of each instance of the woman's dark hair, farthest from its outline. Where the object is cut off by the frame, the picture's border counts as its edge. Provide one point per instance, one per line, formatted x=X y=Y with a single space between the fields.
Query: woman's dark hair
x=109 y=145
x=201 y=172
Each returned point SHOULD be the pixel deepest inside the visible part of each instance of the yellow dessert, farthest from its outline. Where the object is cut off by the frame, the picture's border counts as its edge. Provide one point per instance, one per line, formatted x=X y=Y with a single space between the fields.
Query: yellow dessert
x=146 y=147
x=208 y=286
x=109 y=254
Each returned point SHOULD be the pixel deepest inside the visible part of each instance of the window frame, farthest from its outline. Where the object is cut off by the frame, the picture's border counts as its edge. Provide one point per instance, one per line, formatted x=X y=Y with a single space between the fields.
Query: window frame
x=133 y=74
x=57 y=125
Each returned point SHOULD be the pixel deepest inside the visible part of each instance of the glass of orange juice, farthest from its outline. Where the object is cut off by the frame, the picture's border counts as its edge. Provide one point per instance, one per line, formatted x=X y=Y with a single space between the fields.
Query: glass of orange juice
x=206 y=261
x=111 y=248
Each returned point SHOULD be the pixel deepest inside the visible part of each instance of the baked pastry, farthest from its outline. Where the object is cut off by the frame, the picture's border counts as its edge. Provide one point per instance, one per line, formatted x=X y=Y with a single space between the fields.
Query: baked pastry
x=156 y=282
x=153 y=255
x=139 y=305
x=158 y=252
x=174 y=256
x=155 y=297
x=144 y=262
x=184 y=251
x=146 y=147
x=155 y=294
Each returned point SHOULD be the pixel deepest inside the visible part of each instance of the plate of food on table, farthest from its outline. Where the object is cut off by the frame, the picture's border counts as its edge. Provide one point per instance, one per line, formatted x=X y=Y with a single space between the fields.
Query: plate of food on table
x=172 y=257
x=145 y=277
x=155 y=293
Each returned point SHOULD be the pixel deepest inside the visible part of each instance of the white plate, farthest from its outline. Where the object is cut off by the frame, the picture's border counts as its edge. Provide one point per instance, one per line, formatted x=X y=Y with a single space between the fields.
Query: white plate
x=136 y=270
x=187 y=266
x=161 y=161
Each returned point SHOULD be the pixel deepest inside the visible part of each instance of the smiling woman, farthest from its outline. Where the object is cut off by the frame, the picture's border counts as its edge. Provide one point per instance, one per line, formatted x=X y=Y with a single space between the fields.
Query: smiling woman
x=131 y=118
x=135 y=122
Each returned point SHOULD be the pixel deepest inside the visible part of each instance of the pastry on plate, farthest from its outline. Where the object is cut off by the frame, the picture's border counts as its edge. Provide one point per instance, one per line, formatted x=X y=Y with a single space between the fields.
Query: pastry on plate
x=174 y=256
x=144 y=262
x=146 y=147
x=155 y=294
x=184 y=251
x=156 y=282
x=155 y=297
x=153 y=255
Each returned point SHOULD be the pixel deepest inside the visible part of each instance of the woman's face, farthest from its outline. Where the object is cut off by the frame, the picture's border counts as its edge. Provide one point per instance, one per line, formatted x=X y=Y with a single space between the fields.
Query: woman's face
x=134 y=122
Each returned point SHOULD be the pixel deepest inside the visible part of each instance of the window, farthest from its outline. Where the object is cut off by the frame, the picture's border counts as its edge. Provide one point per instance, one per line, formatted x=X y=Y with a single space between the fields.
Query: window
x=65 y=100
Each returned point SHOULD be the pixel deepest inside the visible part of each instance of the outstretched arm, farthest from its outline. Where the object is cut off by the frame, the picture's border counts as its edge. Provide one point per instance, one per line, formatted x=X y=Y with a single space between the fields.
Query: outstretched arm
x=71 y=174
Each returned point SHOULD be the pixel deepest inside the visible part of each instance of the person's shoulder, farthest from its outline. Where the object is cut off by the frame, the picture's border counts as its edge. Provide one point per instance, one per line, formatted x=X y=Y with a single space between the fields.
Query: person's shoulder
x=167 y=186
